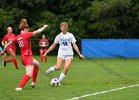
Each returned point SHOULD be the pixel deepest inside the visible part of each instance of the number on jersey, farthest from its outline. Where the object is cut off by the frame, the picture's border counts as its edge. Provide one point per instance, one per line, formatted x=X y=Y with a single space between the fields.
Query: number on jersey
x=21 y=43
x=65 y=43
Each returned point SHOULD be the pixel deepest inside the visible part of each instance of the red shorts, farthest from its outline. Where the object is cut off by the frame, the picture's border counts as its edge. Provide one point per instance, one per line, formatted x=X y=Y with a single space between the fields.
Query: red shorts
x=27 y=60
x=42 y=51
x=9 y=50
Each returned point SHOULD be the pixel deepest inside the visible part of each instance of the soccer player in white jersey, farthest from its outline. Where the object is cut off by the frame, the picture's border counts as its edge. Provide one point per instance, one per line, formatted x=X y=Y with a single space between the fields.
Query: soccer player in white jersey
x=65 y=53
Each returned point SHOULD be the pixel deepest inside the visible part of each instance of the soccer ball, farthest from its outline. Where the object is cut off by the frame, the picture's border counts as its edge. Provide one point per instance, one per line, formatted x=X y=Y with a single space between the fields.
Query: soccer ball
x=55 y=82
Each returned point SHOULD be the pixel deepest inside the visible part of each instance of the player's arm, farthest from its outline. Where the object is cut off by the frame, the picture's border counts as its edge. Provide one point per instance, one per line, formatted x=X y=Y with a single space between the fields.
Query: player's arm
x=47 y=43
x=5 y=47
x=40 y=43
x=40 y=30
x=77 y=50
x=50 y=49
x=3 y=44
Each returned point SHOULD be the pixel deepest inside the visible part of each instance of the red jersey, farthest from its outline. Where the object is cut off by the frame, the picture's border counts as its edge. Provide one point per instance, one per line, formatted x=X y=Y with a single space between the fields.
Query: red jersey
x=7 y=38
x=44 y=42
x=24 y=42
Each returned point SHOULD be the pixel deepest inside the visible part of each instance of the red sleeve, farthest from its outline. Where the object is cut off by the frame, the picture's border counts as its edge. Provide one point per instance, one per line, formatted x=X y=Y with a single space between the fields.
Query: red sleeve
x=29 y=34
x=4 y=39
x=40 y=42
x=47 y=42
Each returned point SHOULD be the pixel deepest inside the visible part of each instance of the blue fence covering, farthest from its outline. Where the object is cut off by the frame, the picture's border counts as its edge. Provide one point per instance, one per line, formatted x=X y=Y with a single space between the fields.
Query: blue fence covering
x=110 y=48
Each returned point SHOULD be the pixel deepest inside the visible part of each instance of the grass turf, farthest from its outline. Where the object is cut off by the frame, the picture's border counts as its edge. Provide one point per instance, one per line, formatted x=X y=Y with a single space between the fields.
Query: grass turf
x=84 y=77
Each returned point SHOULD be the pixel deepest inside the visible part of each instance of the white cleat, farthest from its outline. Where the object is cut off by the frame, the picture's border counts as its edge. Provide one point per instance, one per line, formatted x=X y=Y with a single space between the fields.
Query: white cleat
x=33 y=84
x=59 y=84
x=48 y=72
x=18 y=89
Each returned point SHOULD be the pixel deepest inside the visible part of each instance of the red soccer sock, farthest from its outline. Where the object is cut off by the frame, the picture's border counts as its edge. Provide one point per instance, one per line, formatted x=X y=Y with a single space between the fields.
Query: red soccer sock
x=45 y=58
x=41 y=57
x=35 y=73
x=9 y=60
x=24 y=81
x=15 y=63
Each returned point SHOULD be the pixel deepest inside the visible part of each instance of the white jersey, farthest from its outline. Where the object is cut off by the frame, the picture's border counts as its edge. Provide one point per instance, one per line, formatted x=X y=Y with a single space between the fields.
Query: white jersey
x=65 y=41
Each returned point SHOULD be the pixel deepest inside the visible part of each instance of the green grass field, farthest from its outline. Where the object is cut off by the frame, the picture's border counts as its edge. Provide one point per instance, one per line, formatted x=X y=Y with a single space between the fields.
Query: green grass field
x=84 y=77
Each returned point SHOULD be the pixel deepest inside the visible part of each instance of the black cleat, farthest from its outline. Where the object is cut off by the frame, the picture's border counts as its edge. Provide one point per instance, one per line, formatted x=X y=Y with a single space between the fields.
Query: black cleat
x=4 y=62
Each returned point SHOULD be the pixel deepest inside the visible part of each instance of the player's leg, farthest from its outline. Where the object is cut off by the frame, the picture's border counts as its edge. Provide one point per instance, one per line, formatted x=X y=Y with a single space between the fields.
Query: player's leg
x=56 y=67
x=35 y=72
x=45 y=57
x=12 y=54
x=4 y=57
x=25 y=79
x=41 y=55
x=9 y=59
x=65 y=70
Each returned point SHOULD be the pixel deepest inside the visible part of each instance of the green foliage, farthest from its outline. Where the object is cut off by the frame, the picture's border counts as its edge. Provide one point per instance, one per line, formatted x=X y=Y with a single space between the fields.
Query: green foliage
x=86 y=18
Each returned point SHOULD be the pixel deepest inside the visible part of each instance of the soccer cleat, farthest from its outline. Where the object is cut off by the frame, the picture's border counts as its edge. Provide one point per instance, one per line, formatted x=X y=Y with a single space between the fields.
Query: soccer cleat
x=33 y=84
x=4 y=63
x=48 y=72
x=59 y=84
x=17 y=68
x=18 y=89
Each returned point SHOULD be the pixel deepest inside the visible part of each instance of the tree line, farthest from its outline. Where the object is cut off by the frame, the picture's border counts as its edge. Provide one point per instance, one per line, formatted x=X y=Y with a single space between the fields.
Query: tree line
x=95 y=19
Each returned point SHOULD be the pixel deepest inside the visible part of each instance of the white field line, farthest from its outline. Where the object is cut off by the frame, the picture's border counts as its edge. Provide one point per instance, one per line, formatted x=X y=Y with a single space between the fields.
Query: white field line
x=102 y=92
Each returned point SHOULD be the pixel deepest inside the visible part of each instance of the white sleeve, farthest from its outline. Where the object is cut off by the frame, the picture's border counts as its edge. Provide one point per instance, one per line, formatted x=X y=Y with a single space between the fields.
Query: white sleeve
x=56 y=39
x=73 y=40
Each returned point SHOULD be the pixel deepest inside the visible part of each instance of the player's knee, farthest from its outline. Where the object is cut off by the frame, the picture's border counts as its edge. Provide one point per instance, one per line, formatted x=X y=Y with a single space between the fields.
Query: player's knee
x=29 y=73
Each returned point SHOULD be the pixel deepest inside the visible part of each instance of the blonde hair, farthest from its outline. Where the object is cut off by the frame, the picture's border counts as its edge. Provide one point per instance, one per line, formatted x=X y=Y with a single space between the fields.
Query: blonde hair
x=23 y=24
x=65 y=24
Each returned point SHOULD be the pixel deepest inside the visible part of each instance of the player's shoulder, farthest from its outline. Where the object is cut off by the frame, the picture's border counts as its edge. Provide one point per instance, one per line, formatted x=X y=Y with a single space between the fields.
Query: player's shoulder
x=13 y=35
x=70 y=34
x=6 y=36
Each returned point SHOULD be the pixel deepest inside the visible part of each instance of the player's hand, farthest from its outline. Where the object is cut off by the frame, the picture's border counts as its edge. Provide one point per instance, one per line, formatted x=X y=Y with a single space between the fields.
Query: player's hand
x=2 y=53
x=82 y=57
x=45 y=55
x=45 y=26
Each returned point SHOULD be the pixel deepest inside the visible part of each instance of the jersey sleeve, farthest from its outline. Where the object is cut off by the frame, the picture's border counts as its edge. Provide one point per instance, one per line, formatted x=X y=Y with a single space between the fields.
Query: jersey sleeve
x=47 y=42
x=4 y=39
x=73 y=40
x=29 y=34
x=40 y=42
x=56 y=39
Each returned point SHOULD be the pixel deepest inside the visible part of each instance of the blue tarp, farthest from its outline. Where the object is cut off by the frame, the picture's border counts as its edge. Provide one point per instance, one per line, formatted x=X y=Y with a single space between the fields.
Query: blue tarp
x=92 y=48
x=0 y=48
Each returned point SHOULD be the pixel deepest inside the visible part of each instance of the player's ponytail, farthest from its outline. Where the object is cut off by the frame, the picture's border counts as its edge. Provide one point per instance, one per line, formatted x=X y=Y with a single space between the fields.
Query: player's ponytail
x=23 y=24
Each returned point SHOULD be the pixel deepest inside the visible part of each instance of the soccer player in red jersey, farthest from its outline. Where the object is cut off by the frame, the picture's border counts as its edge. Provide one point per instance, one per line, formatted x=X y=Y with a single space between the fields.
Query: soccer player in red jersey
x=5 y=54
x=43 y=43
x=11 y=50
x=24 y=42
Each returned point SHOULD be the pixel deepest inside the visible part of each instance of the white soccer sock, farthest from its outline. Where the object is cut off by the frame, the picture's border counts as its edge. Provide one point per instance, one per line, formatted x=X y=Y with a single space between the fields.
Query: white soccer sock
x=61 y=77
